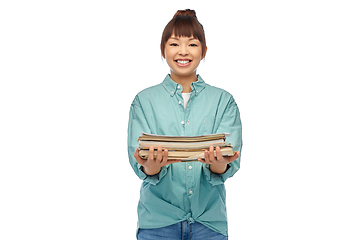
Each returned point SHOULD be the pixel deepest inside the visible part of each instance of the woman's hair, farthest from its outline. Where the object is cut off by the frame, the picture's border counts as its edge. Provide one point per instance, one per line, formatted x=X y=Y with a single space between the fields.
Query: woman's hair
x=184 y=24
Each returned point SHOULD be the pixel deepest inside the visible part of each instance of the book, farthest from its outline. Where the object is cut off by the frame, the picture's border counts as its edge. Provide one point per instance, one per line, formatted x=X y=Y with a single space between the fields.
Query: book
x=187 y=155
x=186 y=148
x=181 y=145
x=148 y=136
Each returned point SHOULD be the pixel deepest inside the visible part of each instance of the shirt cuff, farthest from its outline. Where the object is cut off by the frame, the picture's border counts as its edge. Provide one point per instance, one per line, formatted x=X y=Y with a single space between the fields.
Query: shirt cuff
x=215 y=178
x=153 y=179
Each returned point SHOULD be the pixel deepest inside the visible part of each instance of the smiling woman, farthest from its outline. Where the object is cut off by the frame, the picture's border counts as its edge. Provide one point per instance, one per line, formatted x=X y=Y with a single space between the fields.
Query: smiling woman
x=183 y=45
x=179 y=198
x=183 y=55
x=184 y=24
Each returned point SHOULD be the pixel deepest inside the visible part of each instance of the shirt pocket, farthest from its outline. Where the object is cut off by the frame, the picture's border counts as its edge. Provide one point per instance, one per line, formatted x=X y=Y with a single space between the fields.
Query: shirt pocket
x=209 y=125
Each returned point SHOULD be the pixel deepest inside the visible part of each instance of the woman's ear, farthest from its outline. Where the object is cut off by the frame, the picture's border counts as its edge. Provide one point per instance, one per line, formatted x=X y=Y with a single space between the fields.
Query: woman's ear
x=203 y=56
x=162 y=51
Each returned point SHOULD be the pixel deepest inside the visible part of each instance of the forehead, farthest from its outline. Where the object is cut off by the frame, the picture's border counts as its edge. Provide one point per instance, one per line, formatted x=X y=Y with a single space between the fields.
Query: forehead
x=182 y=38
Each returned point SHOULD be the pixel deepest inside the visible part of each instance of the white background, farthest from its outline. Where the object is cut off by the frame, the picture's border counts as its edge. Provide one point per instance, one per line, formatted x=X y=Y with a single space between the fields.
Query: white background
x=70 y=69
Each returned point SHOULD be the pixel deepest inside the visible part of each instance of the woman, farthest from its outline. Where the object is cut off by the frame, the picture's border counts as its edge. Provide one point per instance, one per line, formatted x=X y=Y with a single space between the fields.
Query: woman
x=183 y=200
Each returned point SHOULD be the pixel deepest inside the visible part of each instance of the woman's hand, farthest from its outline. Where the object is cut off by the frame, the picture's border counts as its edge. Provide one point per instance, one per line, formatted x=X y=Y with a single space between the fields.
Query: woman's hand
x=217 y=164
x=152 y=166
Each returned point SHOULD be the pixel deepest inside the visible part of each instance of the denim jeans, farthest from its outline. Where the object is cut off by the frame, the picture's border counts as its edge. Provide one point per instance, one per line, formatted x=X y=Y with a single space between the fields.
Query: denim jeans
x=181 y=231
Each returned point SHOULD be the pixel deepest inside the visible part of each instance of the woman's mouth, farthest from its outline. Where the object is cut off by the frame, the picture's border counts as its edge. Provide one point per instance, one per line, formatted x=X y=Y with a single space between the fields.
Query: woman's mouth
x=183 y=62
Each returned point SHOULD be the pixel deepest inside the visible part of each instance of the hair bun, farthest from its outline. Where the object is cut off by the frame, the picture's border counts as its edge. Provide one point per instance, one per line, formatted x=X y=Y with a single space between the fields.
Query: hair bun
x=186 y=12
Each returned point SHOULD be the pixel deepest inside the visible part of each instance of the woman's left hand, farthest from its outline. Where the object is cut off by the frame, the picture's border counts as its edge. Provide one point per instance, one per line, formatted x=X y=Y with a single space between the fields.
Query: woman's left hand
x=219 y=163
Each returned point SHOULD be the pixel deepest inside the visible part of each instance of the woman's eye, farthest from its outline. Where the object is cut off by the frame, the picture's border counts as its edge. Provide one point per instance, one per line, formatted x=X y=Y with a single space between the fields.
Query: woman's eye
x=193 y=45
x=173 y=44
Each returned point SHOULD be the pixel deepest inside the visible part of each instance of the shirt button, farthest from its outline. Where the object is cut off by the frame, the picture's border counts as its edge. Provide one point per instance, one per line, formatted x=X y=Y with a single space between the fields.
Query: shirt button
x=182 y=122
x=178 y=86
x=191 y=192
x=179 y=102
x=190 y=167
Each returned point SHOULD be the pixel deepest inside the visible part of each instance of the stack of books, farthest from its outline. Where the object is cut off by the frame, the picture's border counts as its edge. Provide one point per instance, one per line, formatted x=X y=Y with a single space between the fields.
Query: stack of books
x=184 y=148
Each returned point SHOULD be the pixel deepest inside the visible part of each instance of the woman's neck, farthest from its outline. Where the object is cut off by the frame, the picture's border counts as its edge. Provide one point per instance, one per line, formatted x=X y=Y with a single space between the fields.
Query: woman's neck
x=184 y=81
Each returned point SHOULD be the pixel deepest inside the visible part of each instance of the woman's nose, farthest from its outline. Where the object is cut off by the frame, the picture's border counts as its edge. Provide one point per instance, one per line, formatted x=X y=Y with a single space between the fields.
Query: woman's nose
x=183 y=50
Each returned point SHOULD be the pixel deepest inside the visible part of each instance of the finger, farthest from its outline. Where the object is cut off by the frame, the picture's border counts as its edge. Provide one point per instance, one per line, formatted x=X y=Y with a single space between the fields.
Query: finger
x=138 y=158
x=201 y=160
x=219 y=155
x=206 y=157
x=165 y=158
x=171 y=161
x=159 y=156
x=211 y=154
x=166 y=154
x=151 y=154
x=233 y=158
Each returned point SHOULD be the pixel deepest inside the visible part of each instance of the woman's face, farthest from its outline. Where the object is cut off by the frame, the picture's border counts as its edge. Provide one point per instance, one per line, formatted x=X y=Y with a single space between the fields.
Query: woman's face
x=183 y=55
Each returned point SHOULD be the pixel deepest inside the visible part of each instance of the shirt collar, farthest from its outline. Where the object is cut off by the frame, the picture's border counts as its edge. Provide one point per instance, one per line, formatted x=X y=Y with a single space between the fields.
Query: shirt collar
x=172 y=86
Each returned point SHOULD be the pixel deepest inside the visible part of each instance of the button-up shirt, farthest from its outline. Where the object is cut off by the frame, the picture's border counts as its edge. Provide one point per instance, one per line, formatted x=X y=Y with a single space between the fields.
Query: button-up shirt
x=186 y=190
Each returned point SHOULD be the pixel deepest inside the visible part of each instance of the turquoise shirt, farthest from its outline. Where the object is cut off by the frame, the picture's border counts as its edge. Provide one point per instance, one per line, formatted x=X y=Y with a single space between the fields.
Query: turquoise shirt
x=183 y=191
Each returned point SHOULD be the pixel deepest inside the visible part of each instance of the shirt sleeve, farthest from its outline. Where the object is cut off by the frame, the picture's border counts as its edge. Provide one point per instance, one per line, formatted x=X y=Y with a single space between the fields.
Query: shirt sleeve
x=229 y=123
x=138 y=124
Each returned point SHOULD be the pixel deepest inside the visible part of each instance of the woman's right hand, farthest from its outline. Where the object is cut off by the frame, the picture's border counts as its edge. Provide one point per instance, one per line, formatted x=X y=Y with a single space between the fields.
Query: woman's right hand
x=152 y=166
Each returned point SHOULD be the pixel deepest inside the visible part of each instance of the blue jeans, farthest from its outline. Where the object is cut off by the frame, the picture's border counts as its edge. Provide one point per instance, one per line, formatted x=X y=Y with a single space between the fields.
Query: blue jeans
x=181 y=231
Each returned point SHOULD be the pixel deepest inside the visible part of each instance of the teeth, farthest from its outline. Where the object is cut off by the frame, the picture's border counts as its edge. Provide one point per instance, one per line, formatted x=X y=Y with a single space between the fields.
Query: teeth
x=183 y=62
